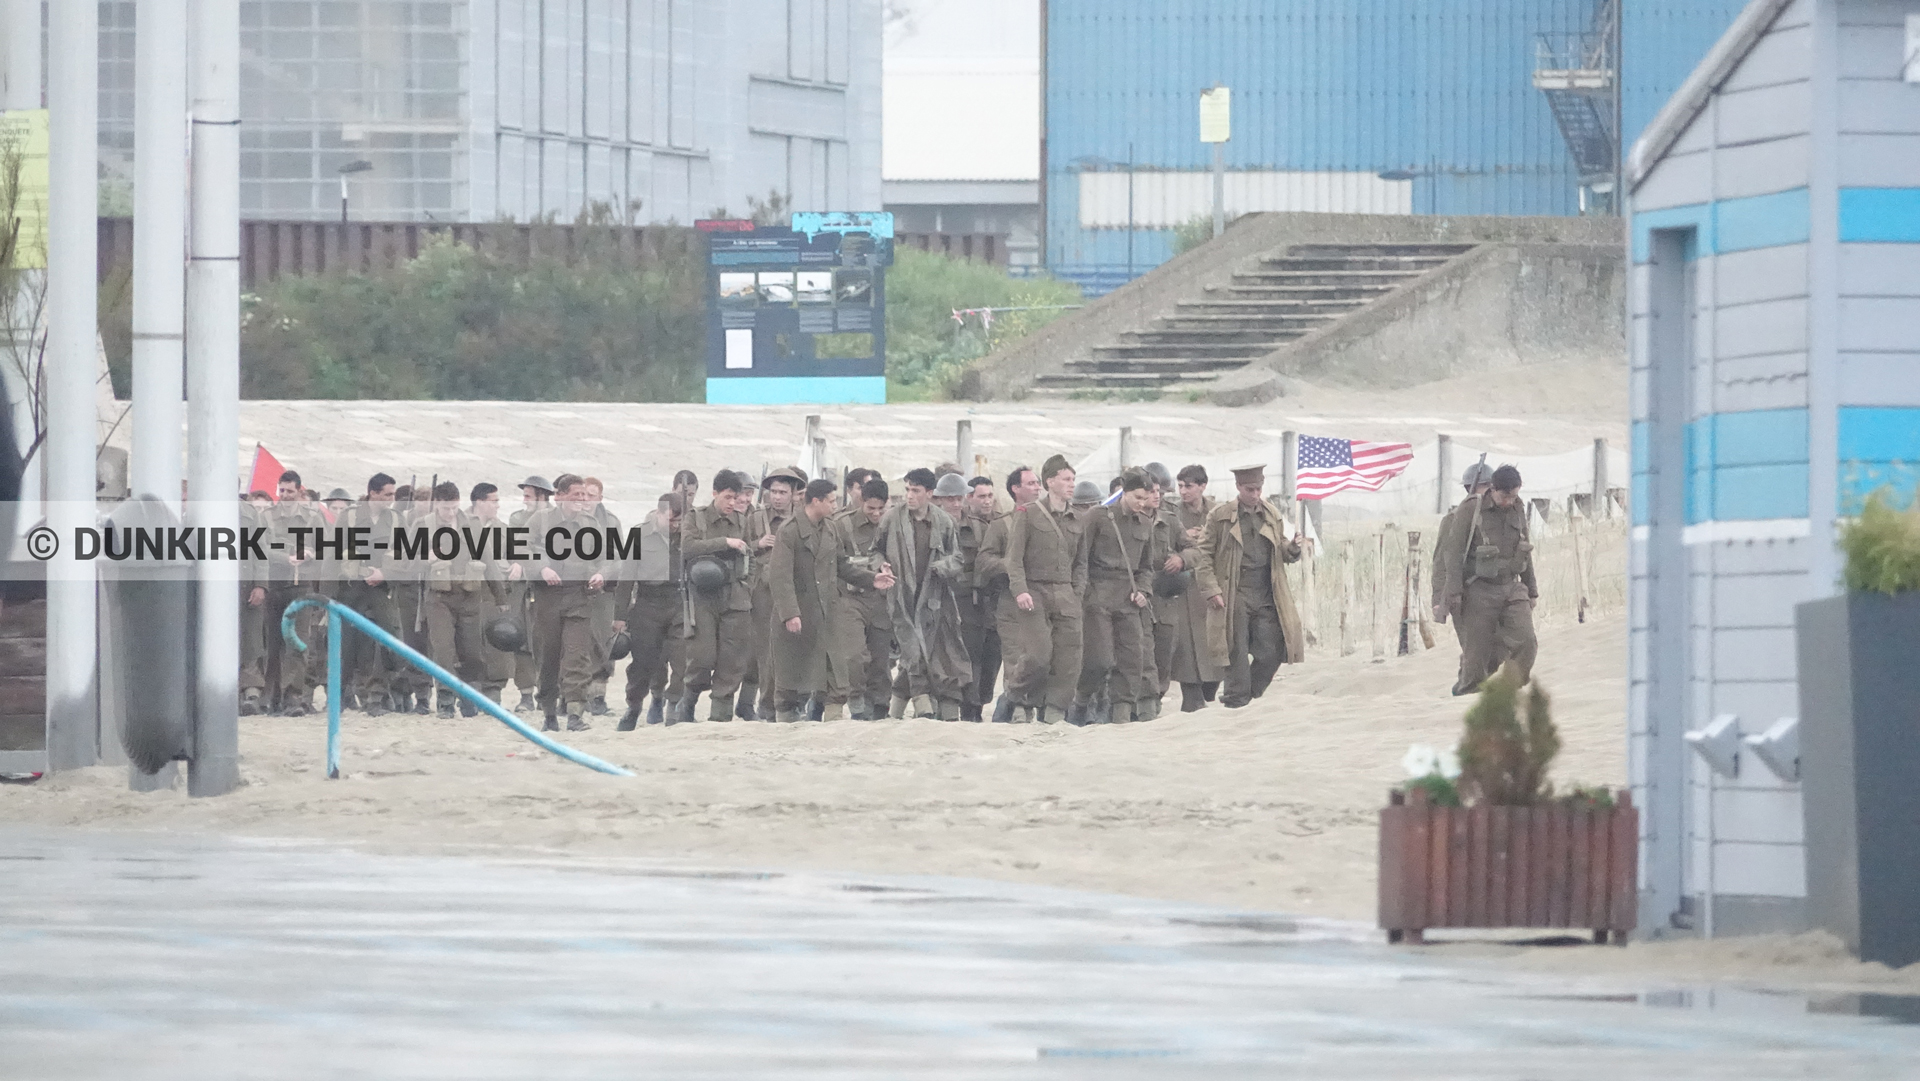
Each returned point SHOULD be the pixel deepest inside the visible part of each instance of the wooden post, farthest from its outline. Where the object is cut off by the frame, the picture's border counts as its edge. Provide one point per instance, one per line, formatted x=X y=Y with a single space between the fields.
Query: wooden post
x=1310 y=598
x=980 y=466
x=962 y=442
x=814 y=442
x=1417 y=556
x=1126 y=447
x=1580 y=584
x=1289 y=465
x=1379 y=597
x=1412 y=626
x=1346 y=597
x=1600 y=480
x=1445 y=485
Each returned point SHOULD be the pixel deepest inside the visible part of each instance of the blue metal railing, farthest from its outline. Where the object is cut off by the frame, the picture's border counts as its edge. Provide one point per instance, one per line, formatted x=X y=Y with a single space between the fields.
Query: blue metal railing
x=337 y=612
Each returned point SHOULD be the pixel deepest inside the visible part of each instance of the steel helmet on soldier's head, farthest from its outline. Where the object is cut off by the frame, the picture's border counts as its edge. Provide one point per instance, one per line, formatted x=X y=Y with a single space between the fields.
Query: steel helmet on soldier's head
x=950 y=485
x=538 y=484
x=1161 y=475
x=1086 y=492
x=707 y=575
x=505 y=634
x=1477 y=474
x=619 y=645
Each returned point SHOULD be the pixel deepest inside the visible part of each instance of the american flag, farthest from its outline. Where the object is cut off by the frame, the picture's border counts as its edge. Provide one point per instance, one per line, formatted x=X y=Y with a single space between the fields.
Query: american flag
x=1327 y=466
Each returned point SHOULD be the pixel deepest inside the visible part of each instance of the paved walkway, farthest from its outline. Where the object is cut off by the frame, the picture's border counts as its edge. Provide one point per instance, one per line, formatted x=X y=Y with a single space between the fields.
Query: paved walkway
x=132 y=956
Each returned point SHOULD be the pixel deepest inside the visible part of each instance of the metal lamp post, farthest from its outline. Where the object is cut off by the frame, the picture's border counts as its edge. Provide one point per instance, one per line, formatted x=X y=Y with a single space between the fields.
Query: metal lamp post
x=359 y=165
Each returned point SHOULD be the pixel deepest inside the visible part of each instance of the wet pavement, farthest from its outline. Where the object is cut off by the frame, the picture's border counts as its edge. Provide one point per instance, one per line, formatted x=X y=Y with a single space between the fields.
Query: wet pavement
x=137 y=956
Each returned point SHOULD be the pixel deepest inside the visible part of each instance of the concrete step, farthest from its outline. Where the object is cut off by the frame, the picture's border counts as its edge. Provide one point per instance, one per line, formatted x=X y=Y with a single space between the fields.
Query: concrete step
x=1355 y=294
x=1313 y=251
x=1159 y=366
x=1278 y=309
x=1321 y=278
x=1069 y=381
x=1211 y=336
x=1404 y=263
x=1175 y=351
x=1278 y=325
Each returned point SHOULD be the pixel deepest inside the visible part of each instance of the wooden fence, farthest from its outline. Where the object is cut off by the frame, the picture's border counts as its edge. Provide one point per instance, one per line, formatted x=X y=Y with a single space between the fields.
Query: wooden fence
x=270 y=249
x=1369 y=586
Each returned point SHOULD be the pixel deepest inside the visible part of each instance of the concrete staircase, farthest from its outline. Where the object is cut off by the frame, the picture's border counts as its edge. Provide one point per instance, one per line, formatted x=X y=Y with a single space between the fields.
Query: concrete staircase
x=1273 y=301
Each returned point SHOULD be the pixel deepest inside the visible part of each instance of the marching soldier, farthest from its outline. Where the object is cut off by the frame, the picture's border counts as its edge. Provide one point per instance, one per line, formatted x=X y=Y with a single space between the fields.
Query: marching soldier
x=458 y=600
x=656 y=615
x=1046 y=576
x=973 y=516
x=1192 y=661
x=763 y=525
x=606 y=616
x=1476 y=480
x=290 y=576
x=365 y=589
x=535 y=496
x=412 y=506
x=254 y=699
x=1249 y=543
x=490 y=603
x=809 y=563
x=569 y=585
x=869 y=623
x=1491 y=589
x=714 y=546
x=1125 y=546
x=918 y=541
x=990 y=569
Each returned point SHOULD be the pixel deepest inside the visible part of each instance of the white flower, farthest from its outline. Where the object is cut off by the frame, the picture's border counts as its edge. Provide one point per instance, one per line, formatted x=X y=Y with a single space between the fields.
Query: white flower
x=1424 y=761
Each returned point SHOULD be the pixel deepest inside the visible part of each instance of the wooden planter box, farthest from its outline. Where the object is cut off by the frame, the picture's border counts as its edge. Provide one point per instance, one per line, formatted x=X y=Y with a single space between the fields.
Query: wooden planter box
x=1552 y=866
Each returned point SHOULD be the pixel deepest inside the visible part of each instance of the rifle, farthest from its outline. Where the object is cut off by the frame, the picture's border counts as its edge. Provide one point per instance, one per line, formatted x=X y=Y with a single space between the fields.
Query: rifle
x=686 y=591
x=420 y=610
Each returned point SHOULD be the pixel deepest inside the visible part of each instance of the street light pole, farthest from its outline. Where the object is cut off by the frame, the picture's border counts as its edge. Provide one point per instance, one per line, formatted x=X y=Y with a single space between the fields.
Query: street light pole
x=359 y=166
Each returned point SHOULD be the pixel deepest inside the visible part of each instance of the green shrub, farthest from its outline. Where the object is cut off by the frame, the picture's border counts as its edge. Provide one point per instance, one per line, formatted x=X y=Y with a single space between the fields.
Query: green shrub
x=461 y=322
x=1505 y=755
x=1440 y=791
x=1882 y=547
x=926 y=348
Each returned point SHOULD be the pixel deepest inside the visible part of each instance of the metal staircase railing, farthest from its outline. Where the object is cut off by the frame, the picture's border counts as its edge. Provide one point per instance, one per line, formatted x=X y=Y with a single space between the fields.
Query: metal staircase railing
x=338 y=614
x=1579 y=74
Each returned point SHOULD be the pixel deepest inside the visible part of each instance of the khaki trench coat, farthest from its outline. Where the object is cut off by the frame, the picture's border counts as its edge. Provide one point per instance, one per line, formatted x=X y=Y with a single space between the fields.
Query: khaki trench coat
x=822 y=656
x=1223 y=544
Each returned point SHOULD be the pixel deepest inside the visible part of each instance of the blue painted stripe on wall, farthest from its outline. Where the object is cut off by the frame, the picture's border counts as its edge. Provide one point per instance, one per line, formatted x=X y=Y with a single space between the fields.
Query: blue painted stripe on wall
x=1641 y=489
x=1761 y=221
x=1880 y=215
x=1730 y=225
x=1640 y=454
x=1745 y=466
x=793 y=390
x=1751 y=492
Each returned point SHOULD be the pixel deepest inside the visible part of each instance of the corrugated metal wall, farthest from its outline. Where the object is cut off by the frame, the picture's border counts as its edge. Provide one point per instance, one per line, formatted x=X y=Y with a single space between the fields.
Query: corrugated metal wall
x=1436 y=91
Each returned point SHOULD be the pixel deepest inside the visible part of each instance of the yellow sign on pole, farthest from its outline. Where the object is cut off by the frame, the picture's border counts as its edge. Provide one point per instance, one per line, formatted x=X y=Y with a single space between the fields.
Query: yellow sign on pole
x=23 y=188
x=1216 y=123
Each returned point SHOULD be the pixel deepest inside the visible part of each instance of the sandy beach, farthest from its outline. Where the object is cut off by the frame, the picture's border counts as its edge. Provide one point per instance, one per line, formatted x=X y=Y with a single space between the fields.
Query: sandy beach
x=1269 y=807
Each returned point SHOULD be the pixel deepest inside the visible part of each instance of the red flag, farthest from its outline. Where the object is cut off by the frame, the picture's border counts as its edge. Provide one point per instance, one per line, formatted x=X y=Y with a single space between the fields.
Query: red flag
x=266 y=473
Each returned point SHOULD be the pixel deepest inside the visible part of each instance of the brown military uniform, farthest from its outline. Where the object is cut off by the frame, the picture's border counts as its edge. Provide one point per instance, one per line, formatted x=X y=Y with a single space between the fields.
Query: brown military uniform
x=1487 y=559
x=1123 y=551
x=923 y=549
x=1046 y=562
x=518 y=602
x=253 y=623
x=568 y=659
x=809 y=565
x=871 y=627
x=459 y=599
x=717 y=651
x=366 y=666
x=979 y=629
x=292 y=673
x=757 y=682
x=1191 y=659
x=606 y=609
x=656 y=618
x=1248 y=549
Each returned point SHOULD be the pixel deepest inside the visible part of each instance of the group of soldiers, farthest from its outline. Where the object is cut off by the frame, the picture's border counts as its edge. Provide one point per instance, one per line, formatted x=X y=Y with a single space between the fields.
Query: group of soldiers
x=789 y=598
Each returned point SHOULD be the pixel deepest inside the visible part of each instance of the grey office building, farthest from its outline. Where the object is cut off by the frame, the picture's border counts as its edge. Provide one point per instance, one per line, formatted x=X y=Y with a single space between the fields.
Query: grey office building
x=471 y=110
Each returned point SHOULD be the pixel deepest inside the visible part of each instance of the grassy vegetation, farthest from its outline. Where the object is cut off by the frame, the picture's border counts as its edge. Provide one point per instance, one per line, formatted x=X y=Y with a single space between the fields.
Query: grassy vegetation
x=1882 y=547
x=926 y=347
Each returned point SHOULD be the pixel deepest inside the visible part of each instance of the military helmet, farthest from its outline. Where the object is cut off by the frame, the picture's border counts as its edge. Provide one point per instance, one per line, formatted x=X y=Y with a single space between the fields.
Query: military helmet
x=338 y=495
x=1477 y=474
x=1086 y=492
x=1172 y=583
x=619 y=645
x=707 y=575
x=1161 y=475
x=538 y=483
x=950 y=485
x=505 y=633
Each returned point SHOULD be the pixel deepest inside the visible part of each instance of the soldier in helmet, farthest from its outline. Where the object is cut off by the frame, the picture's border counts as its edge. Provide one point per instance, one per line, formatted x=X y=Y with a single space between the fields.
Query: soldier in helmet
x=810 y=562
x=536 y=493
x=715 y=547
x=869 y=625
x=656 y=614
x=1491 y=591
x=491 y=603
x=1476 y=480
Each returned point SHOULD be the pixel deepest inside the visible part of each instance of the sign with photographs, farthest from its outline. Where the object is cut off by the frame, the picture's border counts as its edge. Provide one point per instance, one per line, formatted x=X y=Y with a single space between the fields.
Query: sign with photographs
x=798 y=314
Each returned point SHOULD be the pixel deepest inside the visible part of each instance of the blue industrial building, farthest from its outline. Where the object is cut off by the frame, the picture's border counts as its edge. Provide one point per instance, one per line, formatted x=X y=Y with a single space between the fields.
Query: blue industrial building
x=1372 y=106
